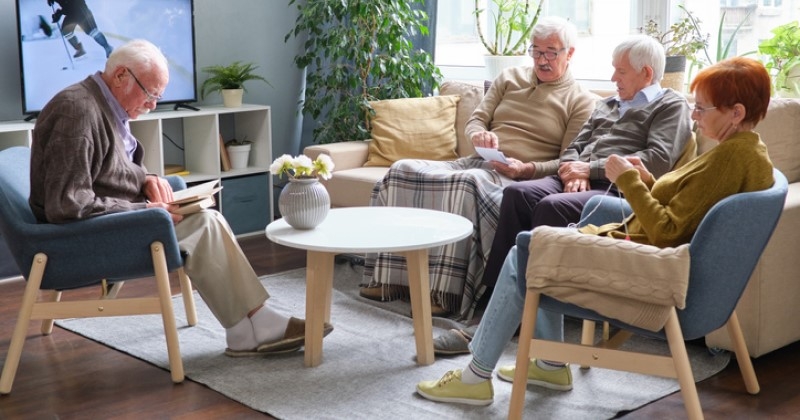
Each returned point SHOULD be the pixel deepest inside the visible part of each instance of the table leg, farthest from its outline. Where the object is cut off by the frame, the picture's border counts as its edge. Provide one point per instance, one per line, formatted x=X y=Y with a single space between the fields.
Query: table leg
x=319 y=282
x=419 y=287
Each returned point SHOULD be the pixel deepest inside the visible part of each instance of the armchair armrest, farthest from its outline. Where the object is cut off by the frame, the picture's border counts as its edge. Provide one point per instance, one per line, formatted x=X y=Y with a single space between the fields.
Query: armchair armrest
x=176 y=182
x=79 y=253
x=345 y=155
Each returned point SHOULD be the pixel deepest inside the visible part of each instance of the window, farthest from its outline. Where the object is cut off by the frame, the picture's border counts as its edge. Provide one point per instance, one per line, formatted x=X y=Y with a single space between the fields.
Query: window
x=602 y=24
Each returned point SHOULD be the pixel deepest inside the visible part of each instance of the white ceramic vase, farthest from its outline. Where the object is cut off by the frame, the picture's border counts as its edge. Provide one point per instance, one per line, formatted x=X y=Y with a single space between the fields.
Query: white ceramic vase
x=497 y=63
x=239 y=155
x=304 y=203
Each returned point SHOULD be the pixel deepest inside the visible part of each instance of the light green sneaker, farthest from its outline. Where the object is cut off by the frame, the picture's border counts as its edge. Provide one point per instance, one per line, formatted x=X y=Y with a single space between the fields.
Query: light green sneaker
x=559 y=379
x=450 y=389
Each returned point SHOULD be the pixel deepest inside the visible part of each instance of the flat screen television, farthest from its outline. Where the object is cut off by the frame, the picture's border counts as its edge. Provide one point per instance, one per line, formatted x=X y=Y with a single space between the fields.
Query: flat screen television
x=49 y=61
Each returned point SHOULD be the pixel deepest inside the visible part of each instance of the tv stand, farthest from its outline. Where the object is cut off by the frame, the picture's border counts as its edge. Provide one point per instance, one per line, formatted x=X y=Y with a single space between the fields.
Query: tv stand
x=180 y=105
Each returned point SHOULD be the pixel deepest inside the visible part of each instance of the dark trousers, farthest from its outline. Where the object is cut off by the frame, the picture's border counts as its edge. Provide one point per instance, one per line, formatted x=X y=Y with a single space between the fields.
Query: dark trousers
x=528 y=204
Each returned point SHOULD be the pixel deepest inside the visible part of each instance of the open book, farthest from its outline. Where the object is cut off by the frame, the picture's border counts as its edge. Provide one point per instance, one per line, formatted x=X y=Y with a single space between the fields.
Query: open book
x=196 y=198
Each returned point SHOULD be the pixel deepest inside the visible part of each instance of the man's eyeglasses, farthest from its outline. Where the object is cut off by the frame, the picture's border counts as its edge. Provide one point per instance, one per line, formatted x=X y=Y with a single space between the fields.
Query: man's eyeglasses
x=150 y=96
x=548 y=55
x=701 y=110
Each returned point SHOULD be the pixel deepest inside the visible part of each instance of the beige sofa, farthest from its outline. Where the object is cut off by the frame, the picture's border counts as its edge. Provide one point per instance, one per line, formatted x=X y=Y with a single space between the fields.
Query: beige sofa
x=769 y=310
x=352 y=182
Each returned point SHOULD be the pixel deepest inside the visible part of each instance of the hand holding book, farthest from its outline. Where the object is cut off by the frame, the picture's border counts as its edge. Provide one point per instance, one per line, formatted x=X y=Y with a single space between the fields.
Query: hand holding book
x=196 y=198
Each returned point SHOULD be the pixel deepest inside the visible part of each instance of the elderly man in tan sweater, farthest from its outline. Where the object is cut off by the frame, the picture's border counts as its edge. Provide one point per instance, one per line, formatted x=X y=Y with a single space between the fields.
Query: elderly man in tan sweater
x=530 y=113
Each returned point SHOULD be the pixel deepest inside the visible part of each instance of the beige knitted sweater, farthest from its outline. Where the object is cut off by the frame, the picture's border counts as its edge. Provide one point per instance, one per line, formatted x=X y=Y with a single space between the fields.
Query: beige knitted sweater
x=534 y=121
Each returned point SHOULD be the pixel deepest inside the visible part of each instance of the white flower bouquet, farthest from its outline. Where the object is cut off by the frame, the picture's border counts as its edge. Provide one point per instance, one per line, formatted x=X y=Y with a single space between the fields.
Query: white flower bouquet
x=303 y=167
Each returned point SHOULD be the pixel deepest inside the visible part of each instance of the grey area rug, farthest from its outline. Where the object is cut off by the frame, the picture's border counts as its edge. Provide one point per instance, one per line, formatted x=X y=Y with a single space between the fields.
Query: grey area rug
x=368 y=369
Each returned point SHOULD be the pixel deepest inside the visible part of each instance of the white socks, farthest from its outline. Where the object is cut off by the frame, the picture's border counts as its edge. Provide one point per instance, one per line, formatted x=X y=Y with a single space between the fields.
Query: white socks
x=265 y=326
x=268 y=325
x=240 y=336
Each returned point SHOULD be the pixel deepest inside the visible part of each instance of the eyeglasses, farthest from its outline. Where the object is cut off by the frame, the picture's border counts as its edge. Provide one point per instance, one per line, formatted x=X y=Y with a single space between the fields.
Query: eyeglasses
x=701 y=110
x=150 y=96
x=548 y=55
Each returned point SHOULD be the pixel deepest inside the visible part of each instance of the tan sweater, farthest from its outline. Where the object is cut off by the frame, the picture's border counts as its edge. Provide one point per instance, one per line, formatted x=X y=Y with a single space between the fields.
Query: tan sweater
x=534 y=121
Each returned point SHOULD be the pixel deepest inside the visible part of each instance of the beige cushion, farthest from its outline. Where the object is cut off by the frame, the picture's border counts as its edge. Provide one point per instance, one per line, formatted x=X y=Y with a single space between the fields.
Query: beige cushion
x=413 y=128
x=779 y=132
x=471 y=96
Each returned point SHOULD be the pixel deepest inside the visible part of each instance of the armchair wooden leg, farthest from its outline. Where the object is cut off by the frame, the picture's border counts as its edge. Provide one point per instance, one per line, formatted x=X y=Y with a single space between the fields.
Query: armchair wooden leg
x=167 y=314
x=587 y=335
x=24 y=319
x=188 y=298
x=49 y=296
x=742 y=355
x=523 y=355
x=683 y=369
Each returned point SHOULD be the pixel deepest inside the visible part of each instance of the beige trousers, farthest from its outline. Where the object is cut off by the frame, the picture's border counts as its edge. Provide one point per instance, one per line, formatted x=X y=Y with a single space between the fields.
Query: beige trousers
x=218 y=268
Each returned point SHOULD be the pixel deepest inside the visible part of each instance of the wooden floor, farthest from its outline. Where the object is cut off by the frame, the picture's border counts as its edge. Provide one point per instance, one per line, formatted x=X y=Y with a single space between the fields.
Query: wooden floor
x=66 y=376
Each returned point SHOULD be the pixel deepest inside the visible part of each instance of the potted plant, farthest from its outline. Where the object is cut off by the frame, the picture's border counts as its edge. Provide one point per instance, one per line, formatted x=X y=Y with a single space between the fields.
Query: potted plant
x=681 y=40
x=364 y=53
x=229 y=80
x=782 y=53
x=507 y=33
x=239 y=152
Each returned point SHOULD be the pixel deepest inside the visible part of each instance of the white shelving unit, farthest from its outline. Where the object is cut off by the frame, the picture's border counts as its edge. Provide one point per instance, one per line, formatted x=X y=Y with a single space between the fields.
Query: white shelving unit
x=246 y=197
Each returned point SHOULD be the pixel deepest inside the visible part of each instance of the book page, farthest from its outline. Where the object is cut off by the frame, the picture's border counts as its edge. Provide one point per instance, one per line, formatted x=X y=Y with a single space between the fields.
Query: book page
x=491 y=154
x=195 y=206
x=197 y=192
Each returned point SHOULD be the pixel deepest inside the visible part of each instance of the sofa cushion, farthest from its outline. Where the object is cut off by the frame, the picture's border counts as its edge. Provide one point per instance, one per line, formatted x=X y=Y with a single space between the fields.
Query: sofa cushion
x=779 y=132
x=471 y=96
x=413 y=128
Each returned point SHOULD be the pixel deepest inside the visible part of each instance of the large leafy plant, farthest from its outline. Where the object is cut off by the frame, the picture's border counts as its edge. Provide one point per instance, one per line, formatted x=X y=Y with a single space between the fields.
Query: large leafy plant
x=680 y=39
x=356 y=51
x=231 y=76
x=510 y=24
x=782 y=52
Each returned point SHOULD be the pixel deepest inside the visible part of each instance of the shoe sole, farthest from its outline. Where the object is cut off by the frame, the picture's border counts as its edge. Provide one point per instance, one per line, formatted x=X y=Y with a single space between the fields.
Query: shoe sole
x=542 y=384
x=467 y=401
x=288 y=345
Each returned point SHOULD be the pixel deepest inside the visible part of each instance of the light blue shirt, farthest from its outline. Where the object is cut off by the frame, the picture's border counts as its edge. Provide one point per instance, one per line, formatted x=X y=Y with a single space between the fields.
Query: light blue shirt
x=642 y=98
x=120 y=117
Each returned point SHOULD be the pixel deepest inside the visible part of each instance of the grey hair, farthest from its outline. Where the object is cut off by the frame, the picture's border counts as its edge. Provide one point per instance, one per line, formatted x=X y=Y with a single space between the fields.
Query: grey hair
x=138 y=54
x=553 y=25
x=643 y=50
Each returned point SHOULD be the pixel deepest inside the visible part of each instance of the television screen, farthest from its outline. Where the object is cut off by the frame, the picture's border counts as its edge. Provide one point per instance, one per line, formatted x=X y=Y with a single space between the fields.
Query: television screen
x=63 y=41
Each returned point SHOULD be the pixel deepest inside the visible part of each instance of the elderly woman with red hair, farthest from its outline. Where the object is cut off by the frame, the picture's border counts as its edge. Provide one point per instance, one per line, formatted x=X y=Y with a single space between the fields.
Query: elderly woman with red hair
x=731 y=97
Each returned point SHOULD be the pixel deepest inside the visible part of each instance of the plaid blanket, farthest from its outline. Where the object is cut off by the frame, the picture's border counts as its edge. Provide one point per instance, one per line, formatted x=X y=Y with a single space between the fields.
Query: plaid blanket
x=467 y=187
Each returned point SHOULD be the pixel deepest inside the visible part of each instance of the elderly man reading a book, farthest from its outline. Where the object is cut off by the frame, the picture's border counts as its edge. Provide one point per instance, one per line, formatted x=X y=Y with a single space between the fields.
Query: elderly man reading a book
x=86 y=162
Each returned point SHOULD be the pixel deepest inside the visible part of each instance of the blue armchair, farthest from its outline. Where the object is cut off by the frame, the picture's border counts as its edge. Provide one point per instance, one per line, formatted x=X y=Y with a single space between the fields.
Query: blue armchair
x=97 y=251
x=724 y=251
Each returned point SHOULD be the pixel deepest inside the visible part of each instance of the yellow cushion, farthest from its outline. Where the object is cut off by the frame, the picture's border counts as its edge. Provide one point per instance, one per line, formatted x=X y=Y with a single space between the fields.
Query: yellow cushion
x=413 y=128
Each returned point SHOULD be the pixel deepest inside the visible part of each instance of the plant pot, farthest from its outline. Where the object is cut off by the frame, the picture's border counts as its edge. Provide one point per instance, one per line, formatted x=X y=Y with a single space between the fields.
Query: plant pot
x=674 y=73
x=497 y=63
x=232 y=98
x=239 y=154
x=304 y=203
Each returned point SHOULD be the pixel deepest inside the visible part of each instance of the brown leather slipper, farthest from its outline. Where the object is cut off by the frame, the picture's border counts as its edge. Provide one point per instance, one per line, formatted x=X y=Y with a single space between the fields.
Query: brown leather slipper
x=293 y=338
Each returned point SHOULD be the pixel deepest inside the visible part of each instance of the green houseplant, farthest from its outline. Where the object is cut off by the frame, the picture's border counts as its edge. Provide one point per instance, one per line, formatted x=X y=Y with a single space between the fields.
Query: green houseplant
x=229 y=78
x=782 y=53
x=355 y=52
x=681 y=42
x=510 y=25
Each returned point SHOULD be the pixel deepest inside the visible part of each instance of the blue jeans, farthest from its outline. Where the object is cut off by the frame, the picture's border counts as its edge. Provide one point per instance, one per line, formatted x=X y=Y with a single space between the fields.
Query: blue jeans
x=504 y=314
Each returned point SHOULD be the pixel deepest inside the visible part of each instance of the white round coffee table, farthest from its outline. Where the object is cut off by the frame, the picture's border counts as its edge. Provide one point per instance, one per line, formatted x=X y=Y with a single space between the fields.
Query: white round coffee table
x=407 y=231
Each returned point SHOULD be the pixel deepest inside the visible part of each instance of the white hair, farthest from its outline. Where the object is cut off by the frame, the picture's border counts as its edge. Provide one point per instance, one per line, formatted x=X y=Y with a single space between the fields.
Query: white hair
x=643 y=50
x=554 y=25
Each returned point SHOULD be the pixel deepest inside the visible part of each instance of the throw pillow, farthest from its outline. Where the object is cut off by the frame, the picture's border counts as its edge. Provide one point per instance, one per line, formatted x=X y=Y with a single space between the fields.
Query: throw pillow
x=413 y=128
x=471 y=96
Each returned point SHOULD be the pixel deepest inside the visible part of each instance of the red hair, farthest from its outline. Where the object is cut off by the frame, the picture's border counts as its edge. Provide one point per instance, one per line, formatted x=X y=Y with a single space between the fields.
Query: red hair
x=736 y=80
